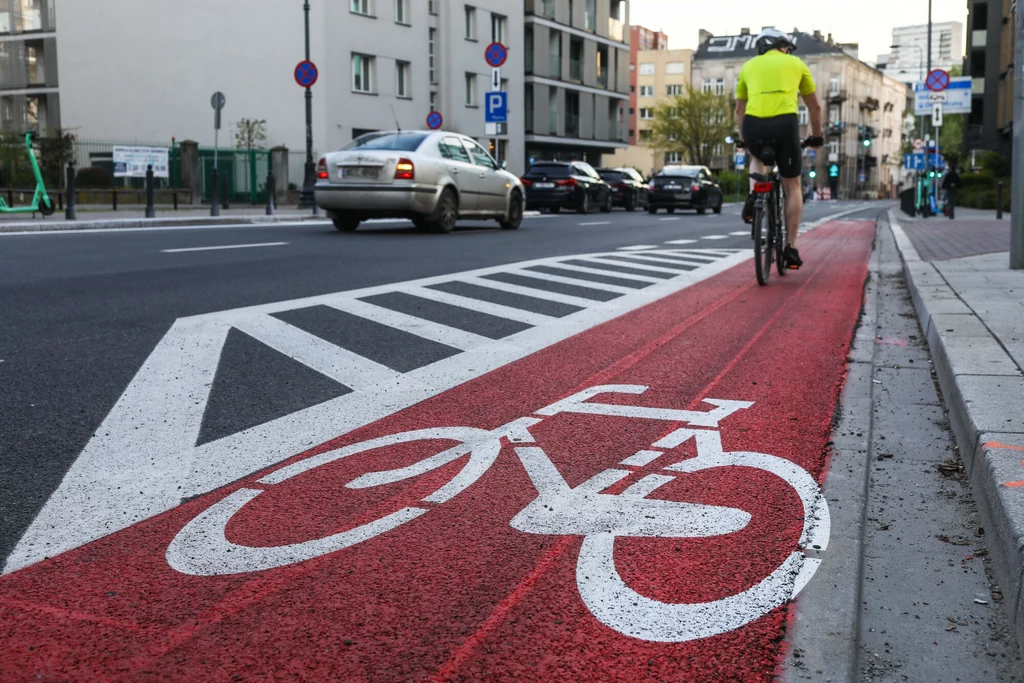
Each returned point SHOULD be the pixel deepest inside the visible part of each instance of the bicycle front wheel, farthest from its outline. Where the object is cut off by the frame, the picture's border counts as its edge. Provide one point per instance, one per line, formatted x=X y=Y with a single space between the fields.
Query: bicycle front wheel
x=762 y=244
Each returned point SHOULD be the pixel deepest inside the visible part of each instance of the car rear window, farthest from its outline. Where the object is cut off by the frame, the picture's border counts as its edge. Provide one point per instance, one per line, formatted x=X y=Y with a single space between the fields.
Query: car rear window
x=398 y=142
x=549 y=170
x=612 y=176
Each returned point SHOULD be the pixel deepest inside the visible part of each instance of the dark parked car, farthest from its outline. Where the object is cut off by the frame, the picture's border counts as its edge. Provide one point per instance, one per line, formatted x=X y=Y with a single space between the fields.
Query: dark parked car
x=628 y=187
x=685 y=187
x=572 y=185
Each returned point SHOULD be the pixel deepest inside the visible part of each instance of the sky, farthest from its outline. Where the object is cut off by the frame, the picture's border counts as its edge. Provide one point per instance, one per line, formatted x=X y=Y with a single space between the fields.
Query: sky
x=868 y=22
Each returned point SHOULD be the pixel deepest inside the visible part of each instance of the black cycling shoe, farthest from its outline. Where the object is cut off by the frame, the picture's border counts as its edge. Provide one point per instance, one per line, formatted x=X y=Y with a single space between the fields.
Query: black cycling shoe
x=748 y=209
x=792 y=258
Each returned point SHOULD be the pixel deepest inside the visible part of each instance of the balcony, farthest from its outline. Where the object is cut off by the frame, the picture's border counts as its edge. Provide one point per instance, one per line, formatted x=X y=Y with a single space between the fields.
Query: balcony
x=544 y=8
x=834 y=130
x=869 y=104
x=615 y=30
x=835 y=96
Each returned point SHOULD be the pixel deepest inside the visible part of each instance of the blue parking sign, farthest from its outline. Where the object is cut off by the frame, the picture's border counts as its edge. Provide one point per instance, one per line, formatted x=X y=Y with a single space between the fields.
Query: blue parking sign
x=496 y=107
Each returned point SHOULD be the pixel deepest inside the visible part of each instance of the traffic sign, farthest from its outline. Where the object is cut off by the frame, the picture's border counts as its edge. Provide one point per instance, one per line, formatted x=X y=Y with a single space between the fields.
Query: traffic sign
x=956 y=98
x=496 y=54
x=496 y=79
x=306 y=74
x=937 y=115
x=434 y=120
x=915 y=162
x=496 y=109
x=740 y=161
x=937 y=80
x=918 y=144
x=218 y=100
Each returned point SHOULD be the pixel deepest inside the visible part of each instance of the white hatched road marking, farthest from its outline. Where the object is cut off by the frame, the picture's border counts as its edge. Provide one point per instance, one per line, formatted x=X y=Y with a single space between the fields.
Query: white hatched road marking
x=223 y=247
x=715 y=237
x=670 y=218
x=681 y=241
x=610 y=273
x=671 y=261
x=740 y=233
x=596 y=223
x=528 y=291
x=113 y=483
x=576 y=282
x=638 y=247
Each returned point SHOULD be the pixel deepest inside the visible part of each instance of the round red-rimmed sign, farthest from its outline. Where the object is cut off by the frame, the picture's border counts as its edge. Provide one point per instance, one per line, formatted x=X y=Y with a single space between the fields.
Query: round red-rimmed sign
x=434 y=120
x=306 y=74
x=937 y=80
x=496 y=54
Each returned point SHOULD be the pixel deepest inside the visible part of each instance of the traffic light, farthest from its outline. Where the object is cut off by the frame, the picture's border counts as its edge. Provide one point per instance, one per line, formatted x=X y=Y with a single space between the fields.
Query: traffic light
x=833 y=171
x=931 y=174
x=812 y=174
x=867 y=142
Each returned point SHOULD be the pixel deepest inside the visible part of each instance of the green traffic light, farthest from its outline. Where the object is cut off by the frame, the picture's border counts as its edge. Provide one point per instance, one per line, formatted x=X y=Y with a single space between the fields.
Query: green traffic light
x=867 y=143
x=813 y=174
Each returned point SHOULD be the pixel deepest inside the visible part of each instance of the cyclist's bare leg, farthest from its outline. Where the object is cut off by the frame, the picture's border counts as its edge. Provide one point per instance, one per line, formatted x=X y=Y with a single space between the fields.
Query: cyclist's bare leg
x=756 y=166
x=794 y=208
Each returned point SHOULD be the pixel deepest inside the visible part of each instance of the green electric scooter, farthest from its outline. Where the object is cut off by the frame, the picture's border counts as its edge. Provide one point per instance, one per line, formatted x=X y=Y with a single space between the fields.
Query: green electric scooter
x=41 y=202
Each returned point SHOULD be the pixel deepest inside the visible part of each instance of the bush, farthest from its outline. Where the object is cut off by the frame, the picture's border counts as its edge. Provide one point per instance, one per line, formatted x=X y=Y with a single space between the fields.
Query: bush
x=996 y=164
x=93 y=177
x=983 y=197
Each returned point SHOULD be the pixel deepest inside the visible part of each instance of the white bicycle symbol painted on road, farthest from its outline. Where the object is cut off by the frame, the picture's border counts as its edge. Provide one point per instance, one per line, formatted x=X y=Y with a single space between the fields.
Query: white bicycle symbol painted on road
x=202 y=549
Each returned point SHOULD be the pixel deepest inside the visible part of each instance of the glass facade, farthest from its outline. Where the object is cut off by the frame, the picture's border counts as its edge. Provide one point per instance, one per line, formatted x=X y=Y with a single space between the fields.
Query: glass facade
x=28 y=67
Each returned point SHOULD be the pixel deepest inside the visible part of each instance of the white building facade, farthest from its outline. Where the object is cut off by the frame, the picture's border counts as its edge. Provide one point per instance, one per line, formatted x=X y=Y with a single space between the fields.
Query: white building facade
x=909 y=62
x=382 y=64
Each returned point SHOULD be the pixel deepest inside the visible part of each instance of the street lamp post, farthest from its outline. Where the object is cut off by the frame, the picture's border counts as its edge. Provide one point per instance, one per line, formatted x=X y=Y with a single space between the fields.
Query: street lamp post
x=920 y=119
x=307 y=199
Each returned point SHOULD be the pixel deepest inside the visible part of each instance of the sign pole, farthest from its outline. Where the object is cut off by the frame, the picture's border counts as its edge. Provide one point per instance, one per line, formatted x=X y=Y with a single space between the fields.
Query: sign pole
x=1017 y=188
x=307 y=199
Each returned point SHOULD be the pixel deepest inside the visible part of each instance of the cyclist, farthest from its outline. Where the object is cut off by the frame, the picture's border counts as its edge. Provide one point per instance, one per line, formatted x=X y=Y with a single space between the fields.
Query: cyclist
x=766 y=112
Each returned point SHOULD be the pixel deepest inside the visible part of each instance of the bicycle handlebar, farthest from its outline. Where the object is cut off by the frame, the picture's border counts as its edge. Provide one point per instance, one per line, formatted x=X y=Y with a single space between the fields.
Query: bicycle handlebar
x=812 y=141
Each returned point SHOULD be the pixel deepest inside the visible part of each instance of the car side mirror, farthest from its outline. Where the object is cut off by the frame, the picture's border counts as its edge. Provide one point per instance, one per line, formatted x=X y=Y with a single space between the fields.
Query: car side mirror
x=730 y=140
x=504 y=165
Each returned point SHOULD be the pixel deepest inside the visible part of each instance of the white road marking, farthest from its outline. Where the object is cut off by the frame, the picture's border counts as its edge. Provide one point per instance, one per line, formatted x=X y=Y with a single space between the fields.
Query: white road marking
x=634 y=265
x=670 y=218
x=639 y=247
x=596 y=223
x=642 y=458
x=681 y=242
x=226 y=246
x=528 y=291
x=143 y=459
x=605 y=272
x=442 y=334
x=740 y=233
x=715 y=237
x=670 y=261
x=576 y=282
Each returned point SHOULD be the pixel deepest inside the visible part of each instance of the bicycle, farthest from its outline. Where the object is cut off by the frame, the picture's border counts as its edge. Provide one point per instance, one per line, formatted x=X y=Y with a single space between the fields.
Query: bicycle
x=770 y=203
x=201 y=548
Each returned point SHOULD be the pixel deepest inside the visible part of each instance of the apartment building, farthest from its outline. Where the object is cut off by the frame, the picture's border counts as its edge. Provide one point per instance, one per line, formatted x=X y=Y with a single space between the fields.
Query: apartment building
x=383 y=63
x=660 y=74
x=640 y=40
x=577 y=78
x=989 y=63
x=908 y=63
x=860 y=103
x=29 y=89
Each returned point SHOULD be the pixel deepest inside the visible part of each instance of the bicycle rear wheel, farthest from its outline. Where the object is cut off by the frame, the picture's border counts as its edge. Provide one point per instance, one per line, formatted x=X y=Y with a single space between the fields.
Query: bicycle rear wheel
x=762 y=243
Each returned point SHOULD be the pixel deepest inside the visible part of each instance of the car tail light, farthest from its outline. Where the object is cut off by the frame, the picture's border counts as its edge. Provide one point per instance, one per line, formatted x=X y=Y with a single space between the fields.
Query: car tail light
x=567 y=182
x=622 y=186
x=650 y=186
x=321 y=170
x=405 y=170
x=695 y=188
x=526 y=182
x=762 y=187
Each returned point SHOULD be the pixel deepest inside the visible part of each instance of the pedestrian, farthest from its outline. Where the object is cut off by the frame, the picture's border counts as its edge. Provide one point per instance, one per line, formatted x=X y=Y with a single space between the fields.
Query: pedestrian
x=950 y=183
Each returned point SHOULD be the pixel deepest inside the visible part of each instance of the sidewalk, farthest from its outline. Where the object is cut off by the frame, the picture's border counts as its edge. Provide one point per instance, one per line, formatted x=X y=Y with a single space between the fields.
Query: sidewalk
x=971 y=307
x=134 y=217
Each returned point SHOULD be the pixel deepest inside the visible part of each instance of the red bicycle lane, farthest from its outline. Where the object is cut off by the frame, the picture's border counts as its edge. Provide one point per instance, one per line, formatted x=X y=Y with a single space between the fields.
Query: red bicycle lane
x=460 y=590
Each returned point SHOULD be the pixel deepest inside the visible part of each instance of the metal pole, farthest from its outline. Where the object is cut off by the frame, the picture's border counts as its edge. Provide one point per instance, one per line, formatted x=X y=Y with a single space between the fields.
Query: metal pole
x=150 y=200
x=1017 y=191
x=71 y=212
x=307 y=199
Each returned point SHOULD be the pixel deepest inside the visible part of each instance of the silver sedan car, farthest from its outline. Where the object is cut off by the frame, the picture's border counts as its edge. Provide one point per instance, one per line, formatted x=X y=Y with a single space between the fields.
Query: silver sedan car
x=431 y=177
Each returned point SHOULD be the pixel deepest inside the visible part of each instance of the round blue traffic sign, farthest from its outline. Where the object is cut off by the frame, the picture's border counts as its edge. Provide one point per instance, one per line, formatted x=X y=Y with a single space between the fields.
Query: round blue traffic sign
x=937 y=81
x=434 y=120
x=496 y=54
x=306 y=74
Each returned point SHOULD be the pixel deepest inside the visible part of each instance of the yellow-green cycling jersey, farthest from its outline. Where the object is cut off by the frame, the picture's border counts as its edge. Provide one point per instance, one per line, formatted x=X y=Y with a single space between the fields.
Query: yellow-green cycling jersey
x=770 y=84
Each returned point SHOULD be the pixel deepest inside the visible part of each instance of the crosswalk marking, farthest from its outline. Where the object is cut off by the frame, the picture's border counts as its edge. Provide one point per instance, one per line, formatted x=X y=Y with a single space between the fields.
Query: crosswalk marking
x=590 y=284
x=621 y=261
x=442 y=334
x=609 y=273
x=528 y=291
x=662 y=259
x=487 y=307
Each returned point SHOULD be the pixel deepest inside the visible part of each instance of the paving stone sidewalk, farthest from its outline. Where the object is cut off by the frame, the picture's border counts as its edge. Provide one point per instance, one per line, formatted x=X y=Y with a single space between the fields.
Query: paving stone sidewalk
x=971 y=307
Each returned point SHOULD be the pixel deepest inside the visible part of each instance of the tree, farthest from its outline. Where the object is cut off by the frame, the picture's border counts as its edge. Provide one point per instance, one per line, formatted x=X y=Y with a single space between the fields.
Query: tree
x=951 y=134
x=250 y=134
x=692 y=124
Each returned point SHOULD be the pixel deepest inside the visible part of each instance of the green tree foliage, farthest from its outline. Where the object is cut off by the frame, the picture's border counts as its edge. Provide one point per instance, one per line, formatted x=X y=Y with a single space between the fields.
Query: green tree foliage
x=951 y=135
x=250 y=134
x=692 y=124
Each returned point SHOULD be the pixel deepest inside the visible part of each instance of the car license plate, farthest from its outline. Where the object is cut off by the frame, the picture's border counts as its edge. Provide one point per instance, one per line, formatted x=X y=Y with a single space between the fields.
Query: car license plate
x=544 y=186
x=360 y=172
x=673 y=187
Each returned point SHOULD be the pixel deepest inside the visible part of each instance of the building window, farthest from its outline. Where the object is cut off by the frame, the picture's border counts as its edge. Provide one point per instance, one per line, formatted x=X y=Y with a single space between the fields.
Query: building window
x=402 y=12
x=674 y=90
x=361 y=7
x=803 y=115
x=362 y=72
x=528 y=100
x=470 y=90
x=646 y=114
x=602 y=66
x=553 y=110
x=675 y=68
x=673 y=158
x=498 y=28
x=833 y=149
x=705 y=86
x=576 y=59
x=590 y=15
x=528 y=49
x=402 y=79
x=720 y=86
x=555 y=49
x=432 y=6
x=645 y=136
x=646 y=91
x=833 y=114
x=433 y=100
x=470 y=23
x=833 y=85
x=647 y=69
x=431 y=54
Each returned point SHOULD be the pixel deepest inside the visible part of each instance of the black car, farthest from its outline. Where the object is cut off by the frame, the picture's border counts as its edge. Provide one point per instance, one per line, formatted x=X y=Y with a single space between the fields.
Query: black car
x=572 y=185
x=684 y=187
x=628 y=187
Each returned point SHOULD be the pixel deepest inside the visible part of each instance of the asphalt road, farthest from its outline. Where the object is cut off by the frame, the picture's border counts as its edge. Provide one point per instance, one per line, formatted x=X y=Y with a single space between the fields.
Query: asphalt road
x=82 y=311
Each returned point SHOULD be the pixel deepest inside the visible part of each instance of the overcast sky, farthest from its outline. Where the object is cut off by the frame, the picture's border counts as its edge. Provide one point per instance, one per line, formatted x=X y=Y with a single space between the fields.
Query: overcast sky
x=868 y=22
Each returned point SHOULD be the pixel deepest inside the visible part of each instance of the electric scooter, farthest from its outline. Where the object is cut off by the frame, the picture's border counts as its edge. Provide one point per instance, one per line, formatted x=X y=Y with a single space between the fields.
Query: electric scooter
x=41 y=202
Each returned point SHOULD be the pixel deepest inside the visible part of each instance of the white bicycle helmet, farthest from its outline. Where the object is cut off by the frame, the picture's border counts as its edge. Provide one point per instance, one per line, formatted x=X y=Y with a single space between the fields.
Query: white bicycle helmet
x=773 y=38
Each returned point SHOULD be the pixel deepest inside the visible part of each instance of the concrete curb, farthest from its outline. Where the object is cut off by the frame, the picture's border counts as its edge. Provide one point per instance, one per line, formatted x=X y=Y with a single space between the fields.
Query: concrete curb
x=984 y=391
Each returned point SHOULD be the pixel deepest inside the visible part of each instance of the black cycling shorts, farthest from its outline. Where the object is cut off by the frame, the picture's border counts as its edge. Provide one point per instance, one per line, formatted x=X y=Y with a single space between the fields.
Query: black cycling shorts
x=783 y=134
